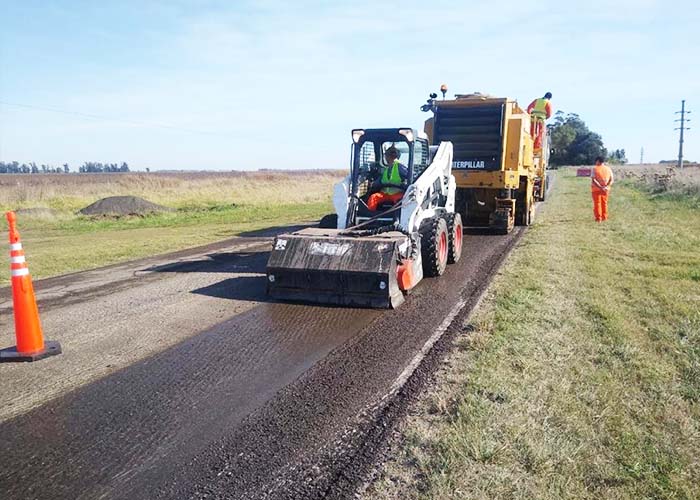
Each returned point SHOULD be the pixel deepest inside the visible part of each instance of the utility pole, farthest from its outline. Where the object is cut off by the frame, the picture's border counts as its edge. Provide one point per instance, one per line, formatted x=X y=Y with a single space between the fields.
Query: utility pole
x=641 y=157
x=682 y=128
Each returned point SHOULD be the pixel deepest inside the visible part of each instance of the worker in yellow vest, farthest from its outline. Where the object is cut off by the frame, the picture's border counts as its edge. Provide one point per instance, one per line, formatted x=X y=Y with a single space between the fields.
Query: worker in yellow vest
x=539 y=110
x=601 y=181
x=392 y=181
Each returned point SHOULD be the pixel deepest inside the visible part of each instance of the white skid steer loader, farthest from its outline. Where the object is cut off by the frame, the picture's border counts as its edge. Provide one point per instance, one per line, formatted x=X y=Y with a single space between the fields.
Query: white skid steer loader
x=372 y=257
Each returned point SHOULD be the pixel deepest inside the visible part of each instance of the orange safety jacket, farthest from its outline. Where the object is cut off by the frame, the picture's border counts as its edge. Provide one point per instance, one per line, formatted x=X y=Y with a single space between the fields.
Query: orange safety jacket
x=540 y=108
x=603 y=175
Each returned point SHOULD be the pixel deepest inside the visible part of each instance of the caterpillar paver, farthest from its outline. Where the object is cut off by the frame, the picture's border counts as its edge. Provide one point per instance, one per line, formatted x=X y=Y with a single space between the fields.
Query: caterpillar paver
x=498 y=171
x=372 y=258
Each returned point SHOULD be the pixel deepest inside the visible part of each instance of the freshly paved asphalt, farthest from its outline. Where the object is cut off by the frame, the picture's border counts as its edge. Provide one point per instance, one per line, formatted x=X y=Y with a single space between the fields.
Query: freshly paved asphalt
x=247 y=399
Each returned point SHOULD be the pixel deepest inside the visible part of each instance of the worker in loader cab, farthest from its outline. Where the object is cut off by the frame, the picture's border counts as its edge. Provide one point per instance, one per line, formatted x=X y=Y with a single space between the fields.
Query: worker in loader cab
x=393 y=175
x=540 y=110
x=601 y=181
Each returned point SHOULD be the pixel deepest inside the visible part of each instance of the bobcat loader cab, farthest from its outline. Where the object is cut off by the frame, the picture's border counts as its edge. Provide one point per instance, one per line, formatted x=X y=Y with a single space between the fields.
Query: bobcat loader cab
x=367 y=164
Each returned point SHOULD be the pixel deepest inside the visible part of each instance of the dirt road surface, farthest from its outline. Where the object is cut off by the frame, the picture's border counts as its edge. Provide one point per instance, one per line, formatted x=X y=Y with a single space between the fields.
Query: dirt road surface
x=179 y=379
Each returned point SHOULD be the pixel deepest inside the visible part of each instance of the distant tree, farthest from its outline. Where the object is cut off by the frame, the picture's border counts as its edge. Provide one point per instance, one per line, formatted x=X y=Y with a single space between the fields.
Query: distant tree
x=617 y=157
x=88 y=166
x=91 y=167
x=572 y=141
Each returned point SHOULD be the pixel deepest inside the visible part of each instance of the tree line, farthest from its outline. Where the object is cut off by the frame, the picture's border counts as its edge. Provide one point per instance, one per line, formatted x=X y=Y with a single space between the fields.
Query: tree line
x=573 y=143
x=15 y=167
x=570 y=140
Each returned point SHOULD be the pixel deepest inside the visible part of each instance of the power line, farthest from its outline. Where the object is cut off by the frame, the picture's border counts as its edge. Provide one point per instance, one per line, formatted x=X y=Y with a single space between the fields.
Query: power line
x=682 y=128
x=110 y=119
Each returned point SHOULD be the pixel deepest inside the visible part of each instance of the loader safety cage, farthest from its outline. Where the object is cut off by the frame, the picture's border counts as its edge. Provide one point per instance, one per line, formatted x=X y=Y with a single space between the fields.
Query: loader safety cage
x=377 y=137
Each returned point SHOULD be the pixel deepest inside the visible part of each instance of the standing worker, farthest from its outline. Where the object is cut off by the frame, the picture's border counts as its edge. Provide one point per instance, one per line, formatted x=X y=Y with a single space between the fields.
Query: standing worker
x=540 y=110
x=601 y=181
x=392 y=181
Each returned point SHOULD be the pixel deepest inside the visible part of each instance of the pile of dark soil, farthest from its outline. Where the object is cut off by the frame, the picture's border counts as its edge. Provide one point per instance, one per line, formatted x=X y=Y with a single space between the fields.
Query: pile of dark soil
x=123 y=205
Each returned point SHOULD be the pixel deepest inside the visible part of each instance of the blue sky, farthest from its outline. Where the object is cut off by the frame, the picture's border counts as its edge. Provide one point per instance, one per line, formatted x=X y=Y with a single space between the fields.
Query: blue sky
x=267 y=84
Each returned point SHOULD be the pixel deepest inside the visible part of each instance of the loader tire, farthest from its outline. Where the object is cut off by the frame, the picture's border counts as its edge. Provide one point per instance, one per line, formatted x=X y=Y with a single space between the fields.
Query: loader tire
x=523 y=214
x=455 y=230
x=543 y=190
x=543 y=194
x=329 y=221
x=520 y=218
x=434 y=246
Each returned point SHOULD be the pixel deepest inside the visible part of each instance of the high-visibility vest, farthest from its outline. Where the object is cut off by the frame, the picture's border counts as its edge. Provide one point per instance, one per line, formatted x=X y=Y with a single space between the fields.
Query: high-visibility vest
x=602 y=174
x=391 y=175
x=540 y=109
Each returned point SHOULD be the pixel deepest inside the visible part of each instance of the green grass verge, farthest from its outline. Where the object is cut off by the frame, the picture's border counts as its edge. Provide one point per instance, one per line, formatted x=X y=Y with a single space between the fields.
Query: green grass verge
x=68 y=244
x=579 y=375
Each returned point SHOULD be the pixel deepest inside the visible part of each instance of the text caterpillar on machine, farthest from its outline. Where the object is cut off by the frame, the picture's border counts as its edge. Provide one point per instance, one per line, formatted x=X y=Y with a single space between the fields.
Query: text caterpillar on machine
x=372 y=257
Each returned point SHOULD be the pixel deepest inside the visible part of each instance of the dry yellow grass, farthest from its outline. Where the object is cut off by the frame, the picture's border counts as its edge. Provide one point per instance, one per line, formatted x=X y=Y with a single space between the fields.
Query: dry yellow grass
x=663 y=179
x=68 y=193
x=209 y=206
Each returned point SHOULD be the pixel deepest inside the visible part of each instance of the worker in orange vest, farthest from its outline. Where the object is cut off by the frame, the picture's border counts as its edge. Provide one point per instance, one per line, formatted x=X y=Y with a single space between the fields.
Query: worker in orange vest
x=601 y=181
x=539 y=110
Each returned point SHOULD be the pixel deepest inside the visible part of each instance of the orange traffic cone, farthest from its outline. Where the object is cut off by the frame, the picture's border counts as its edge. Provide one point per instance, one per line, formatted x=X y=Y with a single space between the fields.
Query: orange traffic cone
x=30 y=339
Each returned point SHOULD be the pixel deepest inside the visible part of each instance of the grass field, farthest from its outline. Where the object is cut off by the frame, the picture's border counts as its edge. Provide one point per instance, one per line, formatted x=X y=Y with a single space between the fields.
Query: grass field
x=664 y=179
x=208 y=206
x=579 y=374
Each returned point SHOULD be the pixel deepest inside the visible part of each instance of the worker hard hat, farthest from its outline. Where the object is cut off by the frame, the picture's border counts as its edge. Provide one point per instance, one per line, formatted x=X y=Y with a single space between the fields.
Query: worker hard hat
x=393 y=152
x=548 y=95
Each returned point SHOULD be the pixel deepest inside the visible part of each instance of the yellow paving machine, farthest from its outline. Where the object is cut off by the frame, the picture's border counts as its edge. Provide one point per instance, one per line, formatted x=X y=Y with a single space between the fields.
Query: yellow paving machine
x=499 y=173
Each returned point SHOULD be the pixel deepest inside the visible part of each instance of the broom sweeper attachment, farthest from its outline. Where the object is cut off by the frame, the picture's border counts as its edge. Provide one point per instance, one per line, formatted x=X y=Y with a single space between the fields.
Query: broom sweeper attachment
x=330 y=267
x=394 y=223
